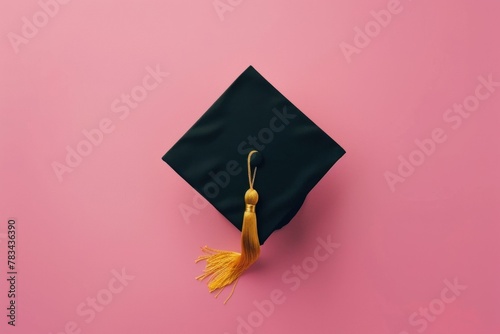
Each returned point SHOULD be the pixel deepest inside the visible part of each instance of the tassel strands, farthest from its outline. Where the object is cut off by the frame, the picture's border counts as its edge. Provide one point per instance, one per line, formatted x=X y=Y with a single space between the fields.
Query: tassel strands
x=224 y=268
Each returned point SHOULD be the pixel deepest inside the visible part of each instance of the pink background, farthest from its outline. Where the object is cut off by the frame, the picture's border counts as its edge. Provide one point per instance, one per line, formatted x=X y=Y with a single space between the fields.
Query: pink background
x=119 y=209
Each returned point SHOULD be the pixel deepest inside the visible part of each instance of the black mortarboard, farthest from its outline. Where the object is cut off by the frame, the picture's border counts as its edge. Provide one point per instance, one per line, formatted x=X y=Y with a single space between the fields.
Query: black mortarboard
x=293 y=154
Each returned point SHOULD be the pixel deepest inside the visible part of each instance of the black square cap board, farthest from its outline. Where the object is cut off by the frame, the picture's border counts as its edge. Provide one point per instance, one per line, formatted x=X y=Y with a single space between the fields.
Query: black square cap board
x=252 y=139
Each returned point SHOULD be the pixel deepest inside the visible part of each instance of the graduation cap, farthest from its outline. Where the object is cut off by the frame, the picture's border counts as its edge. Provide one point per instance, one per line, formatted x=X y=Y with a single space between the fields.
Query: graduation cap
x=252 y=145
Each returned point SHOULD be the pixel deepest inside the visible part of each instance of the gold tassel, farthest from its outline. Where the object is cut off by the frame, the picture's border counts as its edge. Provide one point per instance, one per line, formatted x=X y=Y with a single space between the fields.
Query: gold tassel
x=225 y=267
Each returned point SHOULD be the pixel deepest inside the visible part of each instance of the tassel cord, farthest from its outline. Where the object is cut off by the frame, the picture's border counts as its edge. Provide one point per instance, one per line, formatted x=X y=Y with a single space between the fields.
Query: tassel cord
x=224 y=268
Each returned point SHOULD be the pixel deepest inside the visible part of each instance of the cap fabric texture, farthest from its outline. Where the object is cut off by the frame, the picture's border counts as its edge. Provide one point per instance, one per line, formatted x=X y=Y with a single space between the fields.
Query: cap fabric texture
x=252 y=115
